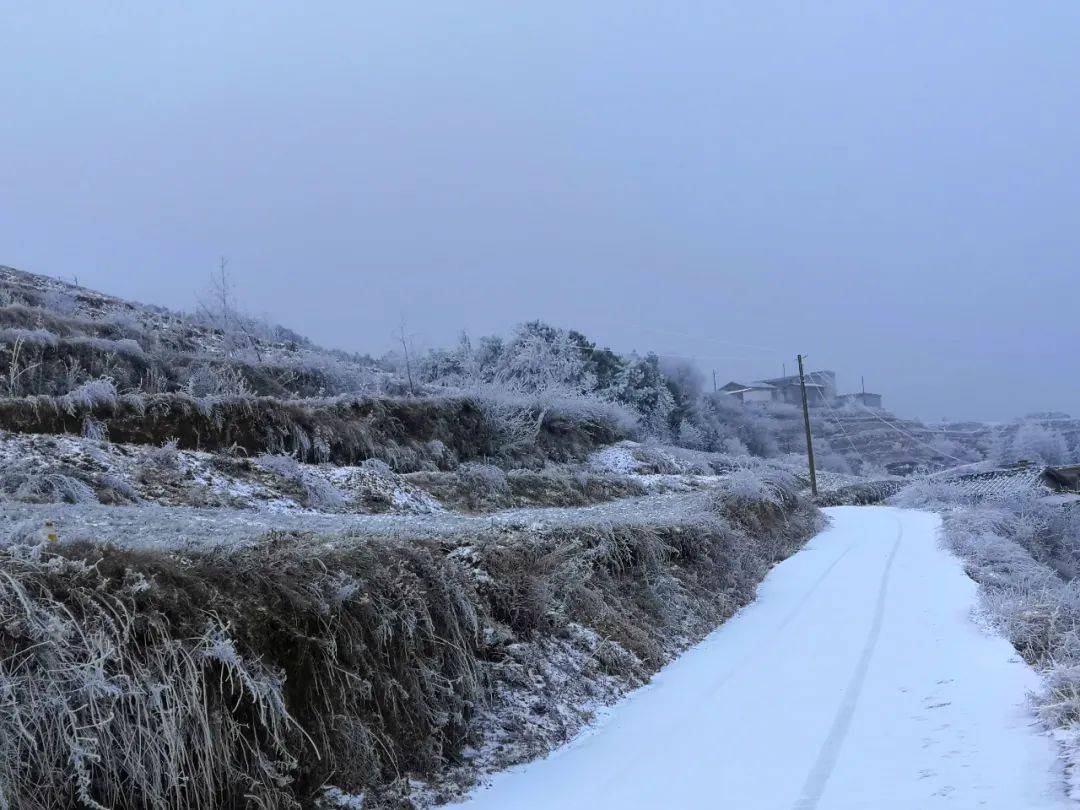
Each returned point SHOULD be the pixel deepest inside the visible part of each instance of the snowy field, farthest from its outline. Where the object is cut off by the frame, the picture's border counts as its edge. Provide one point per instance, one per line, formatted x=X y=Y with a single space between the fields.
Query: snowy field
x=857 y=679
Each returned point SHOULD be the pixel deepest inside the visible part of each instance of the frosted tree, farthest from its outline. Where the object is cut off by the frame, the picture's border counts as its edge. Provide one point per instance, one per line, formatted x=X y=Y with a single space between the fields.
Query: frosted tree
x=645 y=390
x=218 y=309
x=686 y=384
x=463 y=365
x=690 y=435
x=1036 y=443
x=542 y=358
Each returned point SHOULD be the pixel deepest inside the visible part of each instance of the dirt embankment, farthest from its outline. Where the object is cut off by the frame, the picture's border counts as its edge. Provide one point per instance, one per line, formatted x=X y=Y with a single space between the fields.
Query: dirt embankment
x=408 y=434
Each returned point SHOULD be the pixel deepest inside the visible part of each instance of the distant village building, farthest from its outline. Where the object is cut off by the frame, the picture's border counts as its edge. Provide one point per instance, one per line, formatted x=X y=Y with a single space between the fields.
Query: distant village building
x=820 y=388
x=752 y=392
x=820 y=391
x=864 y=398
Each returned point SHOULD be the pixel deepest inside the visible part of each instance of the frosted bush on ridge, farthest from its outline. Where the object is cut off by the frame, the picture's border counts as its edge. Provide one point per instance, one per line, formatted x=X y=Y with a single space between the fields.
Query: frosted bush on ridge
x=748 y=486
x=91 y=394
x=318 y=492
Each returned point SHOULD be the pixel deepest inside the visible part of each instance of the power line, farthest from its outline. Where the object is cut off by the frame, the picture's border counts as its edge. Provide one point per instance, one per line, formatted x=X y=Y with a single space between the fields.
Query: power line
x=836 y=419
x=698 y=356
x=913 y=438
x=676 y=333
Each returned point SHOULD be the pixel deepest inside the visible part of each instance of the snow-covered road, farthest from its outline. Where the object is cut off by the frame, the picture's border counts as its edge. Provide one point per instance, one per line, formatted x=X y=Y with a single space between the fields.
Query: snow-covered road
x=856 y=680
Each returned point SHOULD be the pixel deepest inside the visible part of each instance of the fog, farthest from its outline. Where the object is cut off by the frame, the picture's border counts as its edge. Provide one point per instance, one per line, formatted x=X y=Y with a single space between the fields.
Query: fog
x=890 y=188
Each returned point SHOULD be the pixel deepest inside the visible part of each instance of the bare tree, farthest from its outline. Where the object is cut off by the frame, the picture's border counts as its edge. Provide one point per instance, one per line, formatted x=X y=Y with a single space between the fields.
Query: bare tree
x=222 y=289
x=405 y=340
x=222 y=311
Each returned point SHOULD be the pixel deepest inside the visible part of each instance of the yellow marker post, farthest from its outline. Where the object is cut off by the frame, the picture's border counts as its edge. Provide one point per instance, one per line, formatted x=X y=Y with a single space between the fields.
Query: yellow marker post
x=50 y=531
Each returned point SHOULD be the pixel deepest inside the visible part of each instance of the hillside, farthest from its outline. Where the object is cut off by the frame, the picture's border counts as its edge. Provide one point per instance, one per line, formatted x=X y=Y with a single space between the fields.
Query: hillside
x=241 y=568
x=246 y=566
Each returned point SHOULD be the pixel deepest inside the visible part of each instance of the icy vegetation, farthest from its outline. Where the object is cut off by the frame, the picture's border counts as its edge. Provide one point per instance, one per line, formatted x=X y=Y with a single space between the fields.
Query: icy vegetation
x=85 y=363
x=241 y=570
x=359 y=658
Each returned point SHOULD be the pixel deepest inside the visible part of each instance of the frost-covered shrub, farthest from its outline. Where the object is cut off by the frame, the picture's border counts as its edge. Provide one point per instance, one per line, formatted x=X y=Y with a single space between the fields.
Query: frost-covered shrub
x=831 y=461
x=482 y=482
x=52 y=487
x=166 y=457
x=690 y=435
x=723 y=418
x=516 y=421
x=762 y=501
x=159 y=464
x=91 y=394
x=322 y=495
x=217 y=380
x=923 y=493
x=755 y=486
x=734 y=446
x=114 y=489
x=94 y=429
x=664 y=398
x=1059 y=702
x=644 y=388
x=125 y=346
x=130 y=346
x=30 y=337
x=28 y=533
x=682 y=460
x=539 y=358
x=317 y=491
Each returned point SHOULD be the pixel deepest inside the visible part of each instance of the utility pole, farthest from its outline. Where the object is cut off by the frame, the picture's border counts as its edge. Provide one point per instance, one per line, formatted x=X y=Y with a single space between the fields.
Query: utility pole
x=806 y=424
x=714 y=381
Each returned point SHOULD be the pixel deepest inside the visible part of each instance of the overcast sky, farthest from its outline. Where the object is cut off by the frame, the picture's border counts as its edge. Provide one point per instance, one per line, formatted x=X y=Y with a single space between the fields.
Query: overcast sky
x=891 y=188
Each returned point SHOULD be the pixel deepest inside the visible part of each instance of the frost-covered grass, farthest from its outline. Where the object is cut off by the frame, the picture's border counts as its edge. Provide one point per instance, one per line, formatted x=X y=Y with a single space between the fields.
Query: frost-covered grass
x=141 y=681
x=1024 y=551
x=486 y=488
x=266 y=671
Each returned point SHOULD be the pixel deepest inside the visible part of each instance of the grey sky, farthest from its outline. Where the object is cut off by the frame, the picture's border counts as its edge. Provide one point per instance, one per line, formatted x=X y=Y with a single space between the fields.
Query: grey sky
x=892 y=188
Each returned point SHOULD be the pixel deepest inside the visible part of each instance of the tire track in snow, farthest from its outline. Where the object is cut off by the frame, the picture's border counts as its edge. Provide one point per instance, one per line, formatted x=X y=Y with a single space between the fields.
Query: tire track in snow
x=818 y=778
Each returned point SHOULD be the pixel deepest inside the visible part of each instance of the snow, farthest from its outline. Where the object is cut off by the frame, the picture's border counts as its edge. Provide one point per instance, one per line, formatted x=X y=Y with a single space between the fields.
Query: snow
x=858 y=679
